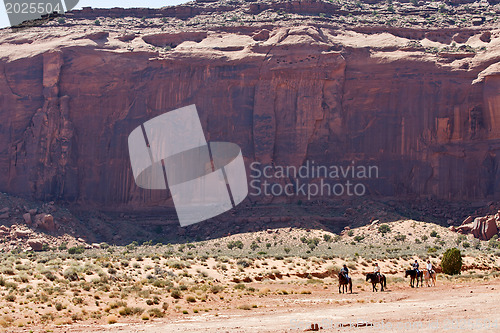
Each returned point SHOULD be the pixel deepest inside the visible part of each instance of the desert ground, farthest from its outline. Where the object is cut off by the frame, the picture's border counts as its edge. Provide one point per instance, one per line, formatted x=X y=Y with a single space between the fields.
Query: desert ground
x=277 y=280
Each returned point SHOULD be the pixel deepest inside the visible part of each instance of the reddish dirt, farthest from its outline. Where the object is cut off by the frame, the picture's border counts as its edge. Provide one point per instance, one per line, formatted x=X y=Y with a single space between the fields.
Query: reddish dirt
x=471 y=303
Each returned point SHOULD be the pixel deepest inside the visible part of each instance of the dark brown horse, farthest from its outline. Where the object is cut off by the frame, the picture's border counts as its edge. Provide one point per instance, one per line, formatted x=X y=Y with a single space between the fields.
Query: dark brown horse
x=414 y=275
x=344 y=282
x=376 y=278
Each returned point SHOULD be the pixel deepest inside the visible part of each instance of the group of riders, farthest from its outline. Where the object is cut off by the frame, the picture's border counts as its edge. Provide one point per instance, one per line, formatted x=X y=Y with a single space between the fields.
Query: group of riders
x=377 y=276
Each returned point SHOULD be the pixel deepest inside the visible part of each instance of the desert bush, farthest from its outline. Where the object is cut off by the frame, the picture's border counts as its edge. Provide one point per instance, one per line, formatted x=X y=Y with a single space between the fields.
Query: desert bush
x=245 y=307
x=156 y=313
x=244 y=263
x=58 y=306
x=384 y=228
x=451 y=263
x=70 y=274
x=129 y=311
x=190 y=299
x=175 y=264
x=239 y=286
x=233 y=244
x=159 y=283
x=433 y=233
x=76 y=250
x=400 y=238
x=359 y=238
x=176 y=293
x=8 y=271
x=216 y=288
x=117 y=304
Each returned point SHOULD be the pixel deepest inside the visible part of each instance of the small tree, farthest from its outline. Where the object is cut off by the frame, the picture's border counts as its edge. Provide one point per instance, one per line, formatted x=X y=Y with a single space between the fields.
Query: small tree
x=452 y=261
x=384 y=228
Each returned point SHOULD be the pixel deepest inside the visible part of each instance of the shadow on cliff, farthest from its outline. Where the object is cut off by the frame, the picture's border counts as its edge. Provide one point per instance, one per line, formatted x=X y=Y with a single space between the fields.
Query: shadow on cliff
x=163 y=227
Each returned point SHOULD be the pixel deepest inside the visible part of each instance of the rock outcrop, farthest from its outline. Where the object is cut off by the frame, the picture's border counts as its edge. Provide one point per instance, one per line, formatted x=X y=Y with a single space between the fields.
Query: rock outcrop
x=286 y=92
x=483 y=228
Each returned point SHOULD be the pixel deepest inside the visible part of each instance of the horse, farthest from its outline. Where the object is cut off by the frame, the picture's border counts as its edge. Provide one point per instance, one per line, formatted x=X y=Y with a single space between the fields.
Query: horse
x=414 y=275
x=430 y=278
x=374 y=278
x=344 y=282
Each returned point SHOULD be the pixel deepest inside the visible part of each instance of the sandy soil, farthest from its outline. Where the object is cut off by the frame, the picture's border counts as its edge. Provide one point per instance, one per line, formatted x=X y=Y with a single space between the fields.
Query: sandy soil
x=472 y=306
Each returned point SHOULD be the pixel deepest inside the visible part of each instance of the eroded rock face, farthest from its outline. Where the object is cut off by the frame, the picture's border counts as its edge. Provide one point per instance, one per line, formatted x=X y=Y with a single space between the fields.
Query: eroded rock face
x=285 y=95
x=484 y=227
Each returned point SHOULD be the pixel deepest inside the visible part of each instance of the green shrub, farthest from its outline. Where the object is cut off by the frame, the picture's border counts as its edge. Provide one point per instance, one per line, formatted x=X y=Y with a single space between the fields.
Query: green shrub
x=452 y=261
x=434 y=233
x=359 y=238
x=400 y=238
x=233 y=244
x=176 y=293
x=216 y=288
x=127 y=311
x=384 y=228
x=76 y=250
x=155 y=312
x=70 y=274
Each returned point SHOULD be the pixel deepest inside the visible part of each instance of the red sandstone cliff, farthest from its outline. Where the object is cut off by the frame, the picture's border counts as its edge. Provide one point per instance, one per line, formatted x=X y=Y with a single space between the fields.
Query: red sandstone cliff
x=286 y=92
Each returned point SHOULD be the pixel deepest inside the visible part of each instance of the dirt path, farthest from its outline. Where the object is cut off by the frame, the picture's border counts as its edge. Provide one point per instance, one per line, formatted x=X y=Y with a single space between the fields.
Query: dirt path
x=471 y=307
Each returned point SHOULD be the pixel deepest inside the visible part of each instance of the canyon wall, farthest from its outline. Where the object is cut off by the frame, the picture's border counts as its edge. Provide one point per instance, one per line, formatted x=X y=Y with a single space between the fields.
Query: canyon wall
x=285 y=95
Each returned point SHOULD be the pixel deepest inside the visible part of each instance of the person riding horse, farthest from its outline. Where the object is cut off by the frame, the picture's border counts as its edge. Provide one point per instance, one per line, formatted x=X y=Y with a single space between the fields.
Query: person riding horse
x=415 y=266
x=376 y=277
x=430 y=269
x=376 y=270
x=345 y=271
x=344 y=280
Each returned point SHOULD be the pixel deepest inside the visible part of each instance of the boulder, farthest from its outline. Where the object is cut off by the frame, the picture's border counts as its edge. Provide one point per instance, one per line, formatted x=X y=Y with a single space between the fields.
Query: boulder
x=477 y=226
x=261 y=35
x=468 y=220
x=47 y=223
x=484 y=228
x=27 y=218
x=36 y=244
x=21 y=233
x=490 y=228
x=5 y=215
x=464 y=229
